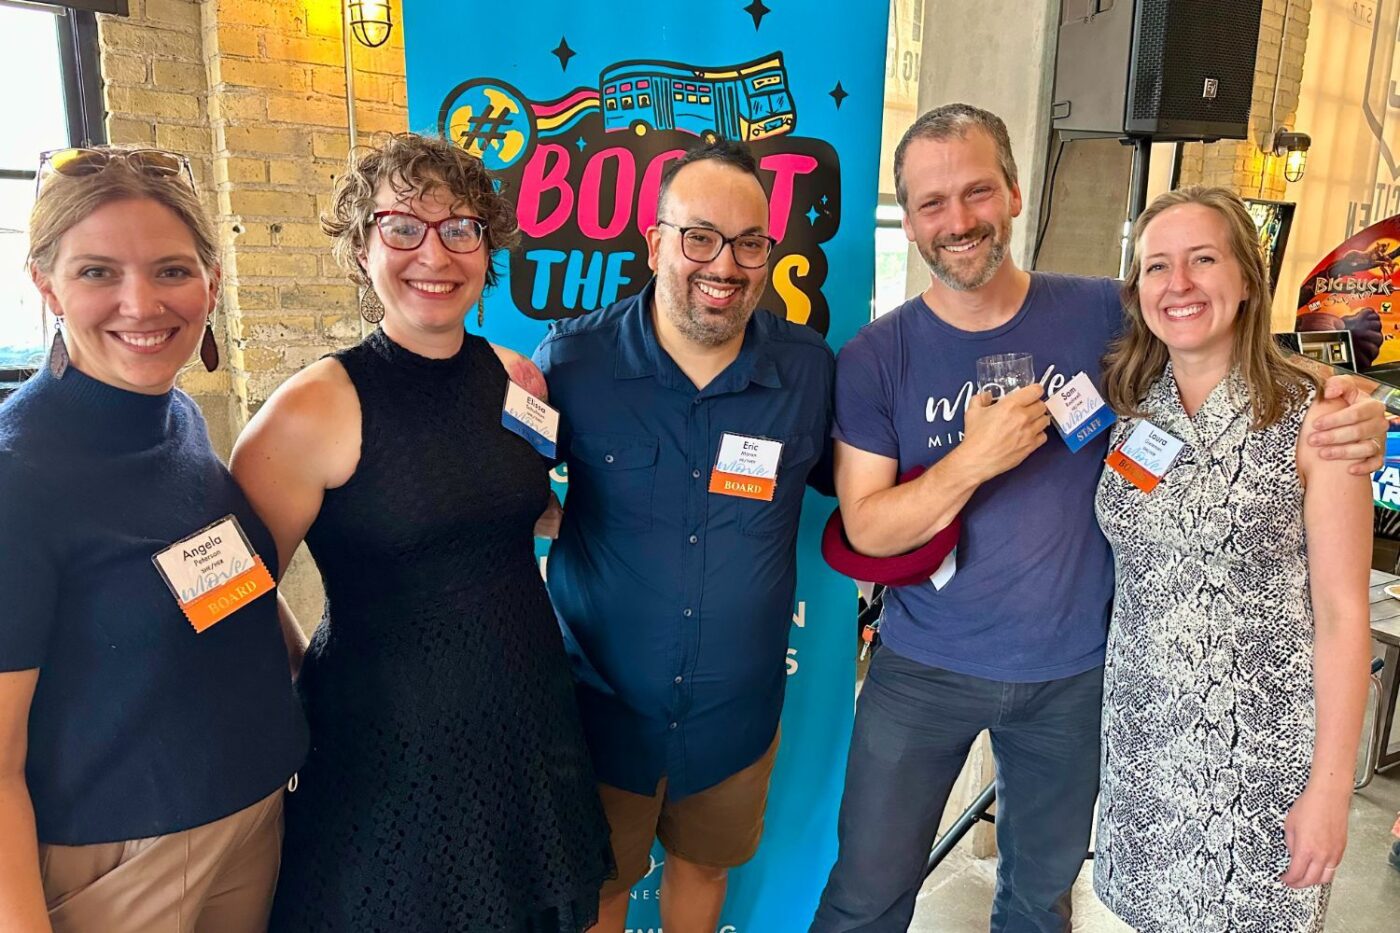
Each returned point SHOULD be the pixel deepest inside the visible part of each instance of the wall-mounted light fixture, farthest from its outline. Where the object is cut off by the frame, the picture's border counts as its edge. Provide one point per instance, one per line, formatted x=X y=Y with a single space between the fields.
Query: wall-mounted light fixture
x=1294 y=149
x=371 y=21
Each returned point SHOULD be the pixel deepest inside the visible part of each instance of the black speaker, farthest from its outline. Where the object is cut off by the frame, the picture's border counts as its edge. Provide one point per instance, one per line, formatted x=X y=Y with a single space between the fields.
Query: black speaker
x=1165 y=69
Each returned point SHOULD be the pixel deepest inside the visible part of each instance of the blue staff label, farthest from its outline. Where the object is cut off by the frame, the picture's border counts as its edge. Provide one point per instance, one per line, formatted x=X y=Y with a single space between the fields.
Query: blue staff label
x=532 y=419
x=1079 y=412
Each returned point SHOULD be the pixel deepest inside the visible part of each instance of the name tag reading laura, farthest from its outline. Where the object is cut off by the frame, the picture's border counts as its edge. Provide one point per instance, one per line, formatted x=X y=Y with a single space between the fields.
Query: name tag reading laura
x=214 y=573
x=532 y=419
x=1079 y=412
x=747 y=467
x=1144 y=458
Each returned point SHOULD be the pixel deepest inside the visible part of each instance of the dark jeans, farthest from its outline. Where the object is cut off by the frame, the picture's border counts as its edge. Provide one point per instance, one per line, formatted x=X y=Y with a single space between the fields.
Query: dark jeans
x=914 y=728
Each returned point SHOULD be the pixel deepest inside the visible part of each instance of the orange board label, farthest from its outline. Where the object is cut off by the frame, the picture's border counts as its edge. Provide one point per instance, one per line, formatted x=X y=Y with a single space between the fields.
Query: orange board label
x=746 y=487
x=1137 y=475
x=227 y=598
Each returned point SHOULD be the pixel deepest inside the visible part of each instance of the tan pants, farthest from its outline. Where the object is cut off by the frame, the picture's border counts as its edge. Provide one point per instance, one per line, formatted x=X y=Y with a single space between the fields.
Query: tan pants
x=216 y=878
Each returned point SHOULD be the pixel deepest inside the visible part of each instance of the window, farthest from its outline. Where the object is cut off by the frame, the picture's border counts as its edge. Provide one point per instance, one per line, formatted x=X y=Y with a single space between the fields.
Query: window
x=891 y=257
x=627 y=102
x=643 y=100
x=51 y=53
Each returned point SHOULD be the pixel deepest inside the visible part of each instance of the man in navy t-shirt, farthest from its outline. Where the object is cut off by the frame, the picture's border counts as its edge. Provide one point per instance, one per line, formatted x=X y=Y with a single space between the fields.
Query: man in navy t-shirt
x=1014 y=642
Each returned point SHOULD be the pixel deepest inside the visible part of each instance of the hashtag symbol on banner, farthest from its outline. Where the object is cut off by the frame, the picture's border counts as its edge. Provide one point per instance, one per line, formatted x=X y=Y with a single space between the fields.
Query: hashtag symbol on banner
x=486 y=128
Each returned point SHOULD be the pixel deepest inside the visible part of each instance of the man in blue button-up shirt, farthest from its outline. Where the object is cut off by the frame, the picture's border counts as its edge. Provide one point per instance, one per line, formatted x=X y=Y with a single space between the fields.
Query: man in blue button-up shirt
x=676 y=601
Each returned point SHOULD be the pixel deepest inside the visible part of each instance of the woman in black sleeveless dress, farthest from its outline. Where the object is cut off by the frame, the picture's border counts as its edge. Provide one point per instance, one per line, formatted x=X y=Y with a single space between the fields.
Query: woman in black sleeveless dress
x=448 y=787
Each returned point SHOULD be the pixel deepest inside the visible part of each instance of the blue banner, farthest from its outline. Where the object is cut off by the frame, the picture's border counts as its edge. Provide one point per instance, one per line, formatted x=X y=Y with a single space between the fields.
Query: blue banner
x=578 y=105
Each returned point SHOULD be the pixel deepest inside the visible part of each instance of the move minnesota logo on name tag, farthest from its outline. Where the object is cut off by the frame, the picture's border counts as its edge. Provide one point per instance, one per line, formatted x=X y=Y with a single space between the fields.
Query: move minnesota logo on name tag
x=1145 y=456
x=532 y=419
x=214 y=573
x=1079 y=412
x=747 y=467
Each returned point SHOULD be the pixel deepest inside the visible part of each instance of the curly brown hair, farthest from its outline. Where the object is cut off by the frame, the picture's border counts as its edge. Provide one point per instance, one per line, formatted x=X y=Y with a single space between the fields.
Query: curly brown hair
x=413 y=164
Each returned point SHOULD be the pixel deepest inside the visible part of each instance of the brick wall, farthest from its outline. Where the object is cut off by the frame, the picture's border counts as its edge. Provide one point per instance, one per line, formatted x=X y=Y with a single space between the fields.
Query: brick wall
x=1241 y=164
x=253 y=91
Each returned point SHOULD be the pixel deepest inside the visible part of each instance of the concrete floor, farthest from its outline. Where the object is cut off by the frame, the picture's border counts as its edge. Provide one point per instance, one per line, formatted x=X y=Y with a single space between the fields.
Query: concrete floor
x=957 y=898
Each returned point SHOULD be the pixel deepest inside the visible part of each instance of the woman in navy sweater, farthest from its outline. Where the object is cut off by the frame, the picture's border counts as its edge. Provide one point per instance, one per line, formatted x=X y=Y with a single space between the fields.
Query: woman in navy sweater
x=147 y=720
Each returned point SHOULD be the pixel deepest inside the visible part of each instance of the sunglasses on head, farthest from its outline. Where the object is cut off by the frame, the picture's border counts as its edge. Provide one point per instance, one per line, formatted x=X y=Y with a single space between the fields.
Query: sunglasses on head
x=77 y=161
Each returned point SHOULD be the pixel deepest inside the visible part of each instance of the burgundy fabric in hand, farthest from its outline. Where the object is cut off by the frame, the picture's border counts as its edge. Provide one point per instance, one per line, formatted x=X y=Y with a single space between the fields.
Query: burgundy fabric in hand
x=907 y=569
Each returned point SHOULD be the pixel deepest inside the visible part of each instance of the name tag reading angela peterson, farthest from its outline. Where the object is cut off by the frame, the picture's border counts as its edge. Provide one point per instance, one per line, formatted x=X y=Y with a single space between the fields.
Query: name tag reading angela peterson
x=1144 y=458
x=747 y=467
x=1079 y=412
x=214 y=573
x=532 y=419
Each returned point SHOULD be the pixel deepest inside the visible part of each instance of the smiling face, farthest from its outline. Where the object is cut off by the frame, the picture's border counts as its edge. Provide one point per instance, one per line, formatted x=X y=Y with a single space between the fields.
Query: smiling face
x=958 y=207
x=131 y=291
x=1191 y=286
x=708 y=303
x=426 y=290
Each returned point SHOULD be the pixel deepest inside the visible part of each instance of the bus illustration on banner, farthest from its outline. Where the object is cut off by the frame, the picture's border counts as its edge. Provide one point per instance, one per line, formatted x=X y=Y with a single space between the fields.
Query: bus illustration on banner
x=748 y=102
x=497 y=123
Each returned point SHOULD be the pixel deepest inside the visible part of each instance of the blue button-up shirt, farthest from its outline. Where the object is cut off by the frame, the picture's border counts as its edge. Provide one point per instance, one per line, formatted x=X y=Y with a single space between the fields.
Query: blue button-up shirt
x=676 y=602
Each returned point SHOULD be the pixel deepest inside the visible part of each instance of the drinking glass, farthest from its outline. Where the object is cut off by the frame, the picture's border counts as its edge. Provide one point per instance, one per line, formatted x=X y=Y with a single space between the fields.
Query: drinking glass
x=1005 y=372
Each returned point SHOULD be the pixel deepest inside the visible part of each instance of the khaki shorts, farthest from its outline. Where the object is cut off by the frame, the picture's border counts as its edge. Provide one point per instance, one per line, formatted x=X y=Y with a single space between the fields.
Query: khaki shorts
x=719 y=827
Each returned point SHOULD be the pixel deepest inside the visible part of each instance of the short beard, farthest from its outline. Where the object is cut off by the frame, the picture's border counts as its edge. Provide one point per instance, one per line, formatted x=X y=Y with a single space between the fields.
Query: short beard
x=704 y=328
x=975 y=278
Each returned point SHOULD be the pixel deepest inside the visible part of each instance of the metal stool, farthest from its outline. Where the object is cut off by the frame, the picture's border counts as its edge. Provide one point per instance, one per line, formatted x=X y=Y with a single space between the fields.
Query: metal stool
x=1372 y=752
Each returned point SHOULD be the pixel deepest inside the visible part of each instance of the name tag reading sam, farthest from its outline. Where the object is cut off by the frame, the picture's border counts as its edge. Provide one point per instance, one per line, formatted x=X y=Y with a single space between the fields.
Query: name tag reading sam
x=747 y=467
x=1144 y=458
x=532 y=419
x=214 y=573
x=1079 y=412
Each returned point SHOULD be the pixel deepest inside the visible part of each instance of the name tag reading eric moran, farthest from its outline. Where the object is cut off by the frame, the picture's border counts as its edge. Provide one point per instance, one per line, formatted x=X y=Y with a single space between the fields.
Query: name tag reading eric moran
x=746 y=467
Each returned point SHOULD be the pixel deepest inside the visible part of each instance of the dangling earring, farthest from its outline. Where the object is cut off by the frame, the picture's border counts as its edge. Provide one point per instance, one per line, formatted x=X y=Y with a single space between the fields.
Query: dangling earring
x=209 y=347
x=481 y=311
x=58 y=351
x=371 y=308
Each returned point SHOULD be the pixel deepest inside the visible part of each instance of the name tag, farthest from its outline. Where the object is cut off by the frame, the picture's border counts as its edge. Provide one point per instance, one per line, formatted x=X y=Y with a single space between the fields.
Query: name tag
x=213 y=573
x=1144 y=458
x=532 y=419
x=944 y=574
x=1079 y=412
x=747 y=467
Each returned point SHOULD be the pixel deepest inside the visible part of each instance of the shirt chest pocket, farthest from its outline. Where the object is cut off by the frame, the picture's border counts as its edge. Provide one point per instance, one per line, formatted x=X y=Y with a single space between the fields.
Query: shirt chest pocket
x=613 y=476
x=768 y=519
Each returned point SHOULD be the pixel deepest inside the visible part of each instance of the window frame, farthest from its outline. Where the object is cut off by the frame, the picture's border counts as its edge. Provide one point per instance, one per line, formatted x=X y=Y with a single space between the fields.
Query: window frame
x=80 y=70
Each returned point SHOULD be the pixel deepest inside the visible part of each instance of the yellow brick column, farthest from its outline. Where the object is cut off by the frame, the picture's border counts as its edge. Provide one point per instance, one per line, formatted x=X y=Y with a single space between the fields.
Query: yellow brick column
x=278 y=124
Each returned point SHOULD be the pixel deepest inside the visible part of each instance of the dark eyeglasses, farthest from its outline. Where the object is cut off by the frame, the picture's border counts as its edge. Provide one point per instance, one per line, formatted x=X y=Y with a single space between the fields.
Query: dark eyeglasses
x=78 y=161
x=703 y=244
x=402 y=230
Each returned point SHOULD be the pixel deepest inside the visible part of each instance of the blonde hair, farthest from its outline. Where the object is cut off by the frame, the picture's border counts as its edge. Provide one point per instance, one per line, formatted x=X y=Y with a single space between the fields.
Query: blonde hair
x=65 y=201
x=1137 y=358
x=413 y=164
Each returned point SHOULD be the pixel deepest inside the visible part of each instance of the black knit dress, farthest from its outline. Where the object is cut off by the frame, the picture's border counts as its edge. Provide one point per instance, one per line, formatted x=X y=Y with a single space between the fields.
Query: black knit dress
x=448 y=786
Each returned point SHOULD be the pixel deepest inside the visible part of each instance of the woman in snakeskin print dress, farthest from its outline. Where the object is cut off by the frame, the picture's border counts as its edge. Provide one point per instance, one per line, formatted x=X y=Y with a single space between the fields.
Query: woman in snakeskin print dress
x=1238 y=649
